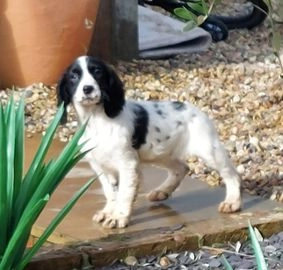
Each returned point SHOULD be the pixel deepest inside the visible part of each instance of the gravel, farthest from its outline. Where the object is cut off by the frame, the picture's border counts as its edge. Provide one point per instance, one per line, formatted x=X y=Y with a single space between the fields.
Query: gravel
x=240 y=256
x=237 y=82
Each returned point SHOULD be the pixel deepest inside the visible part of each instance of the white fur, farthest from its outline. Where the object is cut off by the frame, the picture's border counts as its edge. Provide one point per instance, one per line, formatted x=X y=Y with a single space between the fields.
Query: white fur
x=168 y=145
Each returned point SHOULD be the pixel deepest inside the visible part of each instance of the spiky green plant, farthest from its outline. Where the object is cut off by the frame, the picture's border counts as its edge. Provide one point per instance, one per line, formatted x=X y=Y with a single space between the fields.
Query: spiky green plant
x=23 y=197
x=261 y=264
x=260 y=261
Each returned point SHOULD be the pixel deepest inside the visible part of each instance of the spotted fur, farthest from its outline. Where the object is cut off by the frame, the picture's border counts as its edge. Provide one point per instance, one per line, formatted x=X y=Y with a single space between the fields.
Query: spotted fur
x=124 y=134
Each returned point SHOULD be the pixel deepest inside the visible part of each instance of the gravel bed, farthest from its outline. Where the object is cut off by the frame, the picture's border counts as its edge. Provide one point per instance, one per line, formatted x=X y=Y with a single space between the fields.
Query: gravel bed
x=240 y=256
x=236 y=82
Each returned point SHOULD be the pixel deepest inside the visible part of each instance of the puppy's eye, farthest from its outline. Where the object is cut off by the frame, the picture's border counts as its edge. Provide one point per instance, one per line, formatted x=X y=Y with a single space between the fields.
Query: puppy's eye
x=97 y=72
x=74 y=76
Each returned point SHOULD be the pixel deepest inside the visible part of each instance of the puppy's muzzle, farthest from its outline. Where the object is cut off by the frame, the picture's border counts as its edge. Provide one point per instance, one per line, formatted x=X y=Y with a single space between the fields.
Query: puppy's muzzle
x=91 y=95
x=87 y=89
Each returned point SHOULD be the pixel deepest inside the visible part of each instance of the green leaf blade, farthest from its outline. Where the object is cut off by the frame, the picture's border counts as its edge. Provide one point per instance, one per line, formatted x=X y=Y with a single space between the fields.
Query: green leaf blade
x=19 y=149
x=22 y=200
x=226 y=264
x=261 y=264
x=185 y=14
x=61 y=166
x=11 y=137
x=197 y=6
x=53 y=225
x=30 y=183
x=21 y=234
x=3 y=183
x=189 y=26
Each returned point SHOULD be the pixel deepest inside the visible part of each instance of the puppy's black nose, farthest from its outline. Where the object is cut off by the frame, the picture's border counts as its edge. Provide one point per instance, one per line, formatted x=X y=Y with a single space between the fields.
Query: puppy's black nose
x=88 y=89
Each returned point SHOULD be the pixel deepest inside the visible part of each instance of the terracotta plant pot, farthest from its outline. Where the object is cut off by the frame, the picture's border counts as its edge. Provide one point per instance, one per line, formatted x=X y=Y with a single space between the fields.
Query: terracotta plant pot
x=38 y=39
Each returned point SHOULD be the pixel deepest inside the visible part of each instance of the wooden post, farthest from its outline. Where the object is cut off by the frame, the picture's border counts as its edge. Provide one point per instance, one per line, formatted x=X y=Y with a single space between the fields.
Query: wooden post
x=116 y=31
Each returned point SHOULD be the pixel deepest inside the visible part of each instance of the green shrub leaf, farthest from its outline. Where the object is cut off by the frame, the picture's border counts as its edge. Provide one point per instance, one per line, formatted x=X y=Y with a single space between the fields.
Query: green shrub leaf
x=185 y=14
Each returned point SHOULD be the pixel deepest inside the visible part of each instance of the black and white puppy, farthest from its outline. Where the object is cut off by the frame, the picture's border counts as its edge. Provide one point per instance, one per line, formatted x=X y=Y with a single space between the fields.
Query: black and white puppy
x=125 y=134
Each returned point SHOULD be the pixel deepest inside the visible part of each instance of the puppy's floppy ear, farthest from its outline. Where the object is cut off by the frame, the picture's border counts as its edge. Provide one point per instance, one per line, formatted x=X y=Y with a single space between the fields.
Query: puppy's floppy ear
x=63 y=95
x=114 y=98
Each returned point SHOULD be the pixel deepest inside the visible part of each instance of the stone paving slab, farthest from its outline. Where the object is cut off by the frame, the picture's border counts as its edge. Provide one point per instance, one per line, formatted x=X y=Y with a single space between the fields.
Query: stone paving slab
x=186 y=220
x=194 y=201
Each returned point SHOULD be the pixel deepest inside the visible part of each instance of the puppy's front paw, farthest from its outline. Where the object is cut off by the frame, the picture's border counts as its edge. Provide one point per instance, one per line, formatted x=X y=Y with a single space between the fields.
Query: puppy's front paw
x=104 y=213
x=115 y=222
x=228 y=206
x=157 y=195
x=99 y=216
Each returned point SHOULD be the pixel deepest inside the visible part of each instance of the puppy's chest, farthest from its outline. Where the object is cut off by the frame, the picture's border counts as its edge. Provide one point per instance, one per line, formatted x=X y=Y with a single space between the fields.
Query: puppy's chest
x=105 y=140
x=99 y=139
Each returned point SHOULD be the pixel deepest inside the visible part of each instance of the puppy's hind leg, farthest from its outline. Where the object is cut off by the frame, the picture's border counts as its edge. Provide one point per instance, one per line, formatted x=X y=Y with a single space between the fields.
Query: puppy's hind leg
x=231 y=178
x=177 y=170
x=212 y=152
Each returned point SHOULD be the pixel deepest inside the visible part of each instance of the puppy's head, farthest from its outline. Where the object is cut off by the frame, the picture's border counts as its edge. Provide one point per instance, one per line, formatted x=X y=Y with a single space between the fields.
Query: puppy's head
x=87 y=82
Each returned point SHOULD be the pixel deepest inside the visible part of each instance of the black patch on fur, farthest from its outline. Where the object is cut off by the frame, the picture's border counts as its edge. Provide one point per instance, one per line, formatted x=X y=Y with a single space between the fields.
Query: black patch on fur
x=178 y=106
x=140 y=126
x=157 y=129
x=111 y=87
x=193 y=116
x=158 y=140
x=112 y=90
x=167 y=137
x=179 y=123
x=115 y=187
x=161 y=113
x=66 y=87
x=155 y=105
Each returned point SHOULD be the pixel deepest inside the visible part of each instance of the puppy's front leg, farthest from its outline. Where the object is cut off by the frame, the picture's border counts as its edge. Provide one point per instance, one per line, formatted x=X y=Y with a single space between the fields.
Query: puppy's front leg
x=128 y=185
x=109 y=184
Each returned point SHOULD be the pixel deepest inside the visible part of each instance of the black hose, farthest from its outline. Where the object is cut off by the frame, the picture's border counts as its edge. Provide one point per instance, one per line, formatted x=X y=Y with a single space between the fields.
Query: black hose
x=218 y=26
x=254 y=18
